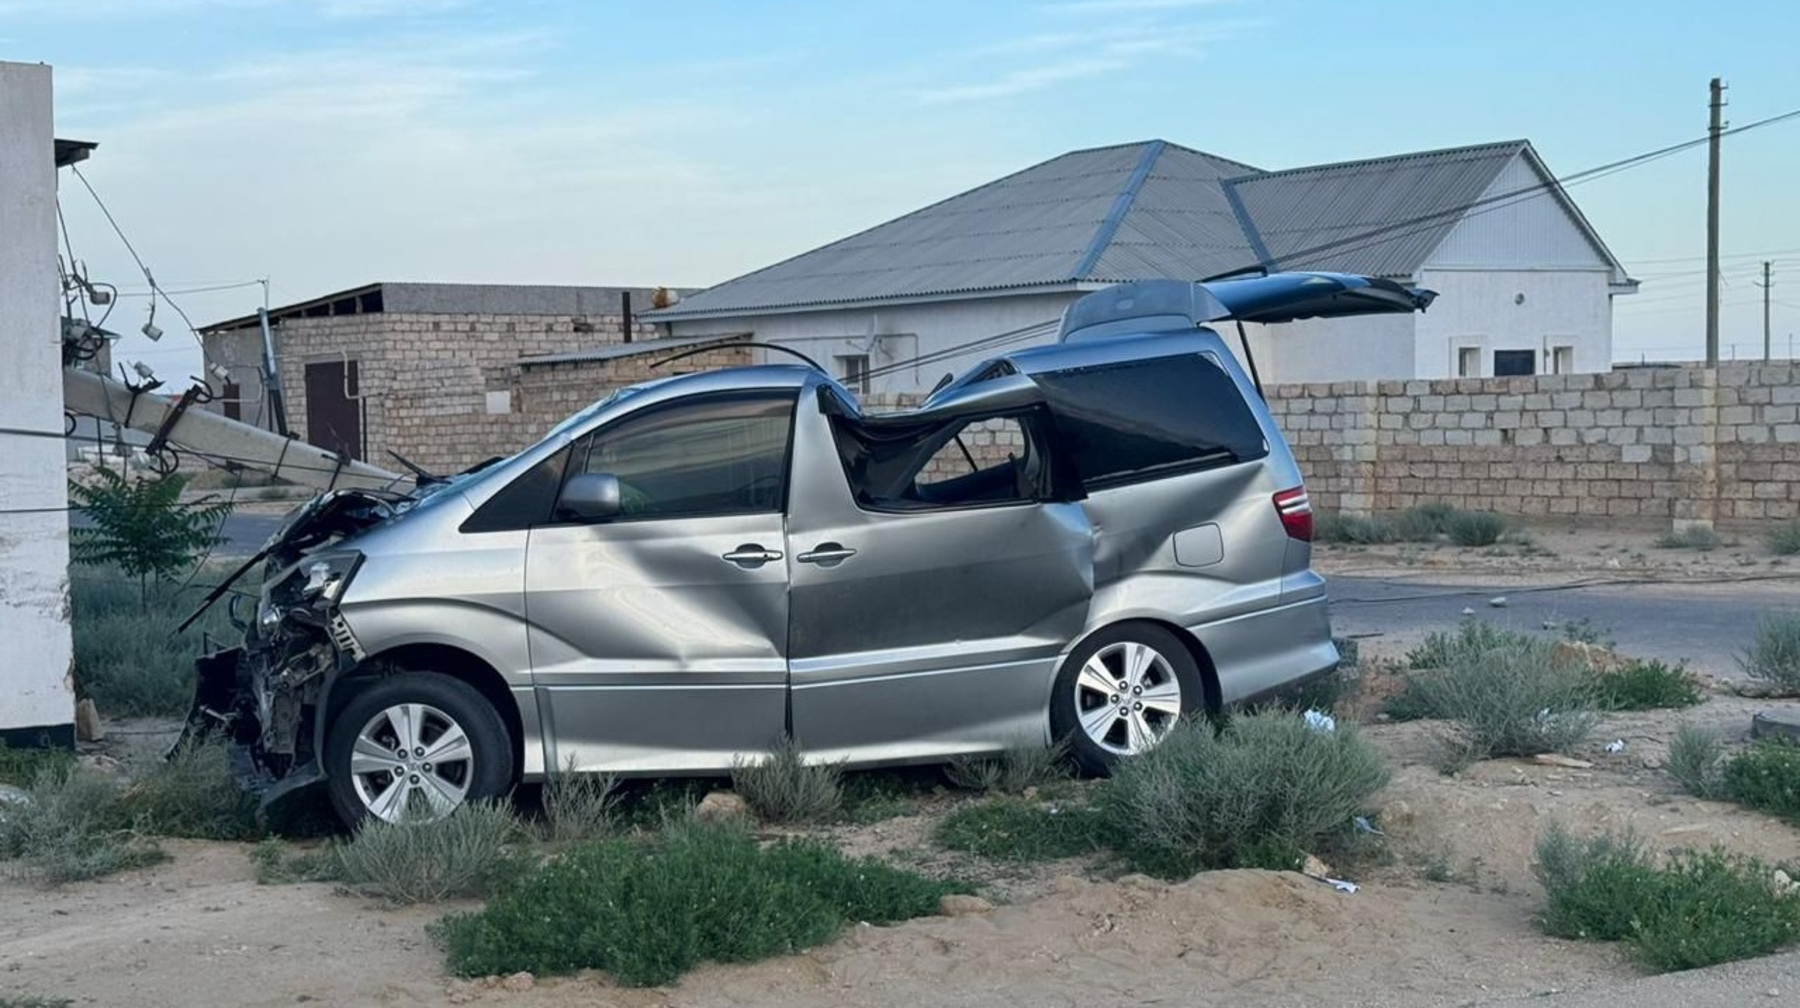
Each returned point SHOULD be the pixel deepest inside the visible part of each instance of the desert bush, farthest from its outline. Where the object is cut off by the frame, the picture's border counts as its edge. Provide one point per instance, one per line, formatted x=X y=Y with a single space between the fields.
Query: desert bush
x=1517 y=698
x=1023 y=765
x=467 y=853
x=277 y=863
x=782 y=787
x=1646 y=685
x=192 y=793
x=33 y=1001
x=1013 y=829
x=649 y=912
x=578 y=806
x=1253 y=794
x=1473 y=637
x=20 y=767
x=1423 y=523
x=1337 y=527
x=1784 y=540
x=1698 y=910
x=1694 y=537
x=1765 y=776
x=1694 y=757
x=1774 y=653
x=70 y=828
x=1475 y=528
x=128 y=659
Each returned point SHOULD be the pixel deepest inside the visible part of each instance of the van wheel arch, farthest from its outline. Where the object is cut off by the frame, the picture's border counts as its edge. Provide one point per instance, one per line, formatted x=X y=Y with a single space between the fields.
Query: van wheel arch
x=1185 y=661
x=436 y=659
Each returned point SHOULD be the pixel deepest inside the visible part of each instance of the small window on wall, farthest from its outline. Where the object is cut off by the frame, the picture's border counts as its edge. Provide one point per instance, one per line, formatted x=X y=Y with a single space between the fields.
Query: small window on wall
x=853 y=371
x=1468 y=362
x=1512 y=363
x=1562 y=360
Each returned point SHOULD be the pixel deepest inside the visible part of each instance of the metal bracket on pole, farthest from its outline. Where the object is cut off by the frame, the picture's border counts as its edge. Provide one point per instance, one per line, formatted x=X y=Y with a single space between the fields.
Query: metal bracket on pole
x=160 y=439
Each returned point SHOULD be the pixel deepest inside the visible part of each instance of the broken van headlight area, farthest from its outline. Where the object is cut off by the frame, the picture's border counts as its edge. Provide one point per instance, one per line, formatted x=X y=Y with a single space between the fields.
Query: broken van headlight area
x=264 y=694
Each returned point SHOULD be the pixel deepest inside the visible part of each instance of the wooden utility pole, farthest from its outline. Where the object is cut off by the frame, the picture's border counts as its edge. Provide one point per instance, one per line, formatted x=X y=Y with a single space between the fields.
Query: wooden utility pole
x=1767 y=282
x=1712 y=223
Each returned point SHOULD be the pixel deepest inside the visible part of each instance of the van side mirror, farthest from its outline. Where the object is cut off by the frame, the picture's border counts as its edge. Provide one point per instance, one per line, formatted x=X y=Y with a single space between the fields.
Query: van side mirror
x=590 y=496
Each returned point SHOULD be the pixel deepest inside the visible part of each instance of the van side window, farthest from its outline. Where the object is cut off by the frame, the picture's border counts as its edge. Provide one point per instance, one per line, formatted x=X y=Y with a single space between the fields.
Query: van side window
x=706 y=455
x=962 y=462
x=1145 y=419
x=524 y=502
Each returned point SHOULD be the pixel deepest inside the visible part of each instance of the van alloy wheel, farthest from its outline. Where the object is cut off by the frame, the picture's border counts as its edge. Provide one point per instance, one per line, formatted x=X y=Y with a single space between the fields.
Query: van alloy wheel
x=1127 y=697
x=411 y=761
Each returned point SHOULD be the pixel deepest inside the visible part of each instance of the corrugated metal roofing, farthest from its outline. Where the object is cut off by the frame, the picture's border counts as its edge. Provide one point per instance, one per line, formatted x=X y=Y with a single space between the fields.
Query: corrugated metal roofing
x=1320 y=217
x=1134 y=212
x=615 y=351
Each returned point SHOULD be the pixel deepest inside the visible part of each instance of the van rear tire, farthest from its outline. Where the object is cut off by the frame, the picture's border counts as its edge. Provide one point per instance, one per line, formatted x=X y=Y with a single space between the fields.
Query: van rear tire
x=1121 y=691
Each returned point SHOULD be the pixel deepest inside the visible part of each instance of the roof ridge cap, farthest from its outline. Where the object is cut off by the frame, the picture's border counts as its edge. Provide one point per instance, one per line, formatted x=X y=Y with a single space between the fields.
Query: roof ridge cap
x=1109 y=225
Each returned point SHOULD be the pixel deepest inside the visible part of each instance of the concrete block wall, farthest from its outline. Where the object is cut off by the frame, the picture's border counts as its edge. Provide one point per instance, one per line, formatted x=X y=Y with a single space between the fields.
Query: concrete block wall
x=1679 y=444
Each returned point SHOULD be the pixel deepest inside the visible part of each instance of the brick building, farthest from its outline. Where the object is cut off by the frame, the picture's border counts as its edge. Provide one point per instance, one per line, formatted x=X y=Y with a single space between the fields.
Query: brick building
x=445 y=374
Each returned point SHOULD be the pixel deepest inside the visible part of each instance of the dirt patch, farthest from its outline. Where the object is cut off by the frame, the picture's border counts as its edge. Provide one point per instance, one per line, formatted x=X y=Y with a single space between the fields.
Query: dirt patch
x=1542 y=552
x=1448 y=919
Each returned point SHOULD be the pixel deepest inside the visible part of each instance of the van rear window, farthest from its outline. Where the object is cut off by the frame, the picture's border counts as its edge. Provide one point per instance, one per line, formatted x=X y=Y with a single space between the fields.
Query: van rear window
x=1144 y=419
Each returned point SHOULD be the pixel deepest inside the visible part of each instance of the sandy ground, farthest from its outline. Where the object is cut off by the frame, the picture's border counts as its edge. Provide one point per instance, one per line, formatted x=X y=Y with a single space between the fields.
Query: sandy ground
x=199 y=931
x=1543 y=551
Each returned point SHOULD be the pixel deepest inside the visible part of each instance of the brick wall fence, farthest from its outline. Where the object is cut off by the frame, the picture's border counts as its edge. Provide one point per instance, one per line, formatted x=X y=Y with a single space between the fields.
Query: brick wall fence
x=1668 y=444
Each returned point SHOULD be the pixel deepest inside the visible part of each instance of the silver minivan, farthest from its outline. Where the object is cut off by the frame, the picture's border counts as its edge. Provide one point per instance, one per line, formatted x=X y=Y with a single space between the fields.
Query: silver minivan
x=1083 y=541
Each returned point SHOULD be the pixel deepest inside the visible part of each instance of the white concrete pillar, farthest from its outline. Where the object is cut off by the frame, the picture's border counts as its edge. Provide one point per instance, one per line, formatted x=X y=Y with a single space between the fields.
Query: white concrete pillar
x=36 y=695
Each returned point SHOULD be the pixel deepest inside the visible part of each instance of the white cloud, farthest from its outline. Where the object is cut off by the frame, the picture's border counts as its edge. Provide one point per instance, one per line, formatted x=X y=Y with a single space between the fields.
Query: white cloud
x=1066 y=57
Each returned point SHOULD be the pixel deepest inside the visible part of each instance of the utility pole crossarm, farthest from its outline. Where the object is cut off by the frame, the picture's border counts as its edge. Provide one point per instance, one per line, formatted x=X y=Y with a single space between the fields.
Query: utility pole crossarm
x=209 y=434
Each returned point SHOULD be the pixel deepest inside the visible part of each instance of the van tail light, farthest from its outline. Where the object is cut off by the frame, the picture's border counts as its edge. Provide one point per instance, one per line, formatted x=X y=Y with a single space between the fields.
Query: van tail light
x=1296 y=513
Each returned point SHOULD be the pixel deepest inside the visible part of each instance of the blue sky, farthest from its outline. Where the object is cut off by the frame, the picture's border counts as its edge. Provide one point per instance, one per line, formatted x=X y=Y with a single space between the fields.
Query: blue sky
x=329 y=143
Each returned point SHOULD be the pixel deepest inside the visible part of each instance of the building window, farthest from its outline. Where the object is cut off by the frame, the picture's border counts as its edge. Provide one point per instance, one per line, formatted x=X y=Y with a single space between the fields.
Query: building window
x=1562 y=360
x=853 y=371
x=1468 y=362
x=1508 y=363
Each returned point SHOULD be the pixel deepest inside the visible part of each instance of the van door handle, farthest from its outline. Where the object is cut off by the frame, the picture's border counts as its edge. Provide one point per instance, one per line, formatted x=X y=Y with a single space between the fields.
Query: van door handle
x=827 y=554
x=751 y=556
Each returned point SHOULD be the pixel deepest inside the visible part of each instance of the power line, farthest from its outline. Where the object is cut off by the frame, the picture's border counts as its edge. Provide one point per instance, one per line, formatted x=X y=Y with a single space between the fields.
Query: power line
x=149 y=278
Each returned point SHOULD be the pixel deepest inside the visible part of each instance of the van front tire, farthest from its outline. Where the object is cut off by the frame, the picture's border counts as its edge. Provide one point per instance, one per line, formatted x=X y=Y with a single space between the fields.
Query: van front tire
x=415 y=747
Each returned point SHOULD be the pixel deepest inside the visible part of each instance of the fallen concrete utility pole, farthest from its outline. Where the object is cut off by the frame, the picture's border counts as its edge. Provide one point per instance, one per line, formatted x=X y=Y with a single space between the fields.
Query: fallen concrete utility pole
x=216 y=438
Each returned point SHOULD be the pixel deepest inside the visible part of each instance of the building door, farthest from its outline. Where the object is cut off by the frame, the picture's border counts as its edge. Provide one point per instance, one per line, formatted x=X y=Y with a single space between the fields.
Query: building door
x=333 y=414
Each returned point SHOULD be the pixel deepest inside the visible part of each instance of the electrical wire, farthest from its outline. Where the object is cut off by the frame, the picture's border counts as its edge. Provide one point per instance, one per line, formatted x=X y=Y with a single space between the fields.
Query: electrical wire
x=149 y=278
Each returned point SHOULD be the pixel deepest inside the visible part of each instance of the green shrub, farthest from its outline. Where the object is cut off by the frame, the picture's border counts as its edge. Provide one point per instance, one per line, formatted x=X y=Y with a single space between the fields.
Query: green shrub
x=578 y=806
x=1013 y=829
x=277 y=863
x=128 y=659
x=140 y=526
x=1024 y=765
x=1473 y=637
x=1785 y=539
x=19 y=767
x=1423 y=523
x=1646 y=685
x=647 y=913
x=1765 y=776
x=72 y=828
x=1694 y=757
x=467 y=853
x=1475 y=528
x=1256 y=793
x=1517 y=698
x=1694 y=537
x=33 y=1001
x=192 y=793
x=782 y=787
x=1336 y=527
x=1774 y=654
x=1698 y=910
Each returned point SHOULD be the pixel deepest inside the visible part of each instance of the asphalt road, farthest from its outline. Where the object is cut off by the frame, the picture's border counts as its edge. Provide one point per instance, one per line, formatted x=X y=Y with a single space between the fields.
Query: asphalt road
x=1706 y=625
x=245 y=533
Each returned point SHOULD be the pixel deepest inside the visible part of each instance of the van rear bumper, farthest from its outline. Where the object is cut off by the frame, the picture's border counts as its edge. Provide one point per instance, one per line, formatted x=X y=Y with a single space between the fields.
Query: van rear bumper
x=1269 y=650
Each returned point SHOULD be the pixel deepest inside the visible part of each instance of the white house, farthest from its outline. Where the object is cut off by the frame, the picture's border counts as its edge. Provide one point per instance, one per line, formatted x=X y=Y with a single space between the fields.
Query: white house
x=1525 y=284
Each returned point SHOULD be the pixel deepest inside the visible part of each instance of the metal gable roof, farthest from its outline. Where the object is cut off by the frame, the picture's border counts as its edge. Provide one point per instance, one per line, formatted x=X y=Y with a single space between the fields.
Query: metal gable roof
x=1133 y=212
x=1320 y=217
x=1069 y=219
